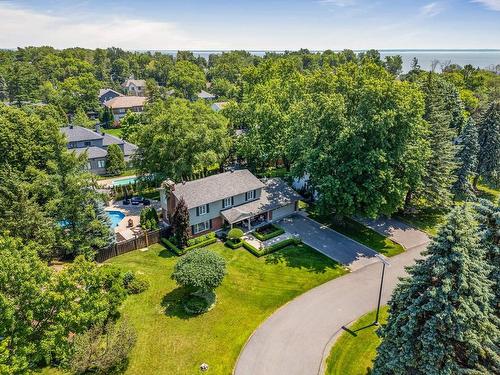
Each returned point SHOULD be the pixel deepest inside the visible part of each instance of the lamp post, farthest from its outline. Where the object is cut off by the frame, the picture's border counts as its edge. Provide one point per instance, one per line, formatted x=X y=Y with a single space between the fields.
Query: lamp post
x=384 y=263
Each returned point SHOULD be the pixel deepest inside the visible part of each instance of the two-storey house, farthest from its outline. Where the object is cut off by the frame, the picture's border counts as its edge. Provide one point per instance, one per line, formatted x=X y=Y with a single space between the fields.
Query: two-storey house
x=135 y=87
x=231 y=198
x=94 y=144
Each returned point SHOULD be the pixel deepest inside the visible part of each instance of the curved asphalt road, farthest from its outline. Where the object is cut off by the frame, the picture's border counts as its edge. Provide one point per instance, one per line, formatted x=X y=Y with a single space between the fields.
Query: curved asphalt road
x=296 y=338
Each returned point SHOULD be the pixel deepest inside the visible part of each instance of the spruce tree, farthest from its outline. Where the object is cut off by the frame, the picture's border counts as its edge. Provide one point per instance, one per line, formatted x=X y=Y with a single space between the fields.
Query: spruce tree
x=441 y=319
x=115 y=161
x=489 y=219
x=489 y=143
x=467 y=158
x=439 y=175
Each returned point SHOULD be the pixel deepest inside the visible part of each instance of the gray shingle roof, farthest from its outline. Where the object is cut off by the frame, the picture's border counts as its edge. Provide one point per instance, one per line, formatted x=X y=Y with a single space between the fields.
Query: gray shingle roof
x=77 y=133
x=205 y=95
x=105 y=91
x=129 y=149
x=276 y=193
x=92 y=152
x=216 y=187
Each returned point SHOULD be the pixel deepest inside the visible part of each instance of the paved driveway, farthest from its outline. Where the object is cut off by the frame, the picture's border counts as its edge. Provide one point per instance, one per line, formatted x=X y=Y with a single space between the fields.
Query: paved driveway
x=397 y=231
x=296 y=338
x=327 y=241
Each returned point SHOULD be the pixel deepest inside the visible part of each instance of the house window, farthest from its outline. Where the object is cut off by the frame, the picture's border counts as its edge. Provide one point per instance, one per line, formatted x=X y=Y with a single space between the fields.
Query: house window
x=249 y=195
x=101 y=163
x=87 y=143
x=71 y=145
x=201 y=227
x=227 y=202
x=202 y=210
x=89 y=166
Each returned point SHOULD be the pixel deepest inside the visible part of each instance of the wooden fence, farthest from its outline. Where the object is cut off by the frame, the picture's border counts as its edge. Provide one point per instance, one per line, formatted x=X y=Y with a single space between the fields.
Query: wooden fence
x=140 y=241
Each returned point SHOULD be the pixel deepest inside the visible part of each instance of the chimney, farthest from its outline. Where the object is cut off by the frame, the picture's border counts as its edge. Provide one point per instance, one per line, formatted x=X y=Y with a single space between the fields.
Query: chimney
x=98 y=128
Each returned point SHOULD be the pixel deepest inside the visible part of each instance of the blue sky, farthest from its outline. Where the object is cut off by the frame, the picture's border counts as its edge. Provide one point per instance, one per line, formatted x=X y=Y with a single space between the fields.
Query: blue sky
x=252 y=24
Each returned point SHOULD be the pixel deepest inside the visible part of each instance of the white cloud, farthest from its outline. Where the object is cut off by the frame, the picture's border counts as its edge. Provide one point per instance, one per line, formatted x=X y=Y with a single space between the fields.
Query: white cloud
x=23 y=27
x=490 y=4
x=431 y=9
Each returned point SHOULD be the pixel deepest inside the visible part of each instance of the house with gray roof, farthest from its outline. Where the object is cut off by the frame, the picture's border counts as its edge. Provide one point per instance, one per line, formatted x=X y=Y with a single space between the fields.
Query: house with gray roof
x=230 y=198
x=94 y=144
x=107 y=94
x=136 y=87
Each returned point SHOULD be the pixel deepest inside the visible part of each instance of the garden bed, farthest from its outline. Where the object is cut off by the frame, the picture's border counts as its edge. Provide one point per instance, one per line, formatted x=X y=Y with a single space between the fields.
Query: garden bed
x=267 y=232
x=272 y=248
x=193 y=243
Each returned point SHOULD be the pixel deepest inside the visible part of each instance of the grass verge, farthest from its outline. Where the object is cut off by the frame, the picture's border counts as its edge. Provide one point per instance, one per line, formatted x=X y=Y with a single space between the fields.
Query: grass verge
x=362 y=234
x=354 y=351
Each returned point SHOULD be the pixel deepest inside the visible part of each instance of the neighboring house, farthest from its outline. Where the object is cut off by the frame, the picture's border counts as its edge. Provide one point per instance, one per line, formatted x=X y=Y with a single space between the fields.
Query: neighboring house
x=218 y=106
x=135 y=87
x=107 y=94
x=230 y=198
x=121 y=104
x=94 y=143
x=205 y=95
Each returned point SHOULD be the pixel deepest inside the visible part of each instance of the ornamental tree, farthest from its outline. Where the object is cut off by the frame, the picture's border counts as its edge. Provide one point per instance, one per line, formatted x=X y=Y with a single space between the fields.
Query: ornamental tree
x=235 y=234
x=200 y=271
x=441 y=317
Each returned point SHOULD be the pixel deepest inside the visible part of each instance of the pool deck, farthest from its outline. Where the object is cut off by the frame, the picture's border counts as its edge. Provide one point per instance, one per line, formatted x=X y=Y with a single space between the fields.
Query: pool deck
x=131 y=212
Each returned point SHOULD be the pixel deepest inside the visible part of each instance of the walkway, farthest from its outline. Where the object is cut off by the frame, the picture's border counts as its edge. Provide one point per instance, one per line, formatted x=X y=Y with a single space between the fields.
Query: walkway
x=297 y=337
x=329 y=242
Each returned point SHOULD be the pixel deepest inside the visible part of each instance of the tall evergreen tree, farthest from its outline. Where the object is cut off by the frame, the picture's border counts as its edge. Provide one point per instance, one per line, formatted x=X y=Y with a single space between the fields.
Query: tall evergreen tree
x=441 y=319
x=489 y=219
x=489 y=142
x=467 y=158
x=180 y=223
x=439 y=176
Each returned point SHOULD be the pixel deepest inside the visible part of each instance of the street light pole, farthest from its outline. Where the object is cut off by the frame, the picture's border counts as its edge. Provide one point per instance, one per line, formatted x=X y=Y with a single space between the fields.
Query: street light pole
x=384 y=263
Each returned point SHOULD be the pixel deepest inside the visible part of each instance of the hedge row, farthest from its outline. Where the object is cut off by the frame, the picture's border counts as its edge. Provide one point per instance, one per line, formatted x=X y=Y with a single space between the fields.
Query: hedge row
x=197 y=240
x=264 y=237
x=183 y=251
x=272 y=248
x=234 y=244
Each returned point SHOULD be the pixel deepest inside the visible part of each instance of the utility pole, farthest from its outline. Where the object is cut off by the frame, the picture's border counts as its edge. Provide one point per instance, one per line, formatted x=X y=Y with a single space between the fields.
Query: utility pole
x=384 y=263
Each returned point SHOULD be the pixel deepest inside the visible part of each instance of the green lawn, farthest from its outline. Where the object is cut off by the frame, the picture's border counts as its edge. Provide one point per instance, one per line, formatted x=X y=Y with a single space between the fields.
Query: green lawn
x=353 y=353
x=427 y=220
x=170 y=342
x=117 y=132
x=360 y=233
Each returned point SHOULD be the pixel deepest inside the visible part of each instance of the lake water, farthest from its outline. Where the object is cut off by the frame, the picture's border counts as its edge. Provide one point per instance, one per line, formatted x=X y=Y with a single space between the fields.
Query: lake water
x=477 y=58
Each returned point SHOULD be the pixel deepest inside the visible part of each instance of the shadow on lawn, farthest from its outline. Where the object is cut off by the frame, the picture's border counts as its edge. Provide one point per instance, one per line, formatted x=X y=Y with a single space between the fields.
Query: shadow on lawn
x=301 y=257
x=172 y=302
x=165 y=253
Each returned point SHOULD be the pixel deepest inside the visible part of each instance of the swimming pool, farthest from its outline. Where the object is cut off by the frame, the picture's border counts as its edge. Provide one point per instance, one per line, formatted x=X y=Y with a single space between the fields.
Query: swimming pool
x=116 y=217
x=124 y=181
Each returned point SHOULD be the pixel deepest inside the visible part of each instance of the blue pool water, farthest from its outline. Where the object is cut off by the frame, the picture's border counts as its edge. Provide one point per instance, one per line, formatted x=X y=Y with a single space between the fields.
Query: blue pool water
x=124 y=181
x=116 y=217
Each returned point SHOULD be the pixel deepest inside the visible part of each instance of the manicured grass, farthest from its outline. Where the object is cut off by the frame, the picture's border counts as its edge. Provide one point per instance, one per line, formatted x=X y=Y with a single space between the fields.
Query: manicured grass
x=427 y=220
x=354 y=351
x=172 y=342
x=360 y=233
x=117 y=132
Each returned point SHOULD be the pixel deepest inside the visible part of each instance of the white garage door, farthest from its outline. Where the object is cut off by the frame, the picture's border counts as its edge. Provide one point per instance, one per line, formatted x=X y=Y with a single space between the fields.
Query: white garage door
x=283 y=211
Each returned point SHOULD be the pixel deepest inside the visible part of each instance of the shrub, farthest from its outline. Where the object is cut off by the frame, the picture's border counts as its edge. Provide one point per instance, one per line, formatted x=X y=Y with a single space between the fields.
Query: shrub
x=200 y=270
x=235 y=234
x=234 y=244
x=267 y=232
x=197 y=240
x=135 y=283
x=199 y=304
x=149 y=218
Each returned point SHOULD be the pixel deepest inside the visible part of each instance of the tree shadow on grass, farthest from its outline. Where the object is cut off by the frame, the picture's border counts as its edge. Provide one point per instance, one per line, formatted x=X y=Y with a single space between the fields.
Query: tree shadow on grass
x=173 y=301
x=301 y=257
x=165 y=253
